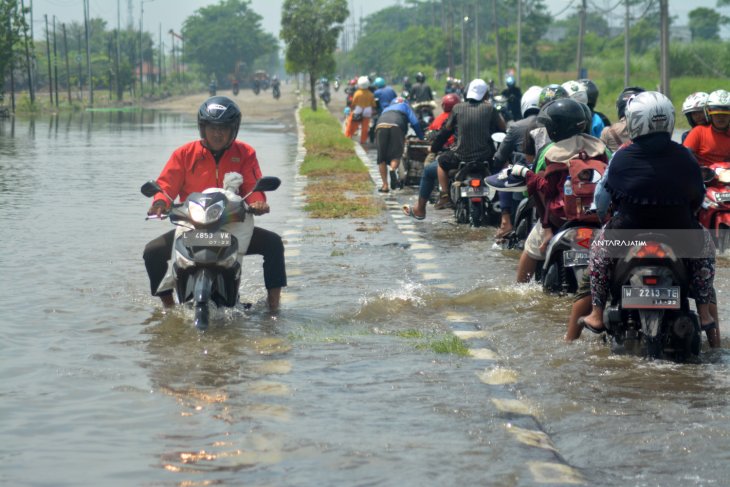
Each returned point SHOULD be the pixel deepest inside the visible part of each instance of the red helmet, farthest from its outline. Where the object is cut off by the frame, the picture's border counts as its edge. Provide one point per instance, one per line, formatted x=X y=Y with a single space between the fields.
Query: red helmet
x=352 y=82
x=448 y=101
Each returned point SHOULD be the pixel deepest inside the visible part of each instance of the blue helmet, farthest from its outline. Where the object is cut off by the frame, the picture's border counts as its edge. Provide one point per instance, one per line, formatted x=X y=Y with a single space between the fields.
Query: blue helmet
x=379 y=82
x=510 y=80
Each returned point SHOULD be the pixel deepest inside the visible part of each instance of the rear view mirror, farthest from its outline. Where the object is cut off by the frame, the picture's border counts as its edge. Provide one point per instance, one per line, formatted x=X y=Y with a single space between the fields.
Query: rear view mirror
x=150 y=188
x=267 y=183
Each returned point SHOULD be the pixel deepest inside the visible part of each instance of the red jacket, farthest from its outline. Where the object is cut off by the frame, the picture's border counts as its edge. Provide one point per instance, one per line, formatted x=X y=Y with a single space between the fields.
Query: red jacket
x=192 y=168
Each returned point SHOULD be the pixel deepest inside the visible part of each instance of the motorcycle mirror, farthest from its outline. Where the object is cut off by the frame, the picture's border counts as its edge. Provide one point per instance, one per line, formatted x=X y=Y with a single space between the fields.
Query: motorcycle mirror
x=267 y=183
x=707 y=174
x=150 y=188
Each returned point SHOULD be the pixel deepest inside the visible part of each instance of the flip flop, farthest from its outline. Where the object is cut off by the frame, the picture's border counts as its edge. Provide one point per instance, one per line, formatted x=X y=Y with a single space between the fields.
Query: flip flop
x=582 y=322
x=393 y=179
x=383 y=190
x=408 y=210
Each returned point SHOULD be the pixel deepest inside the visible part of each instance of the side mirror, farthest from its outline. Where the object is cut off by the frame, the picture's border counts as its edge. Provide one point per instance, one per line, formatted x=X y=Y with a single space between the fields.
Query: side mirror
x=267 y=183
x=498 y=137
x=150 y=188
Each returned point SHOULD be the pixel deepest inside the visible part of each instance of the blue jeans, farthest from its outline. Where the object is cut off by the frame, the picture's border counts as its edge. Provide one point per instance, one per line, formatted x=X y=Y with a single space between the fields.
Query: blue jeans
x=429 y=180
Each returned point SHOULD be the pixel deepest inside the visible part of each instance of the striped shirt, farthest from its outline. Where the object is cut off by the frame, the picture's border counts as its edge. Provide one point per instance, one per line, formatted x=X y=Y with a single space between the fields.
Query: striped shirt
x=474 y=123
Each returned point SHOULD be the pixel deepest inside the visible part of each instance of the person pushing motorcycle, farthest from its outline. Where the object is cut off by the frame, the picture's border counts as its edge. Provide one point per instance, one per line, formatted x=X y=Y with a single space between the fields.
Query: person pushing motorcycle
x=203 y=164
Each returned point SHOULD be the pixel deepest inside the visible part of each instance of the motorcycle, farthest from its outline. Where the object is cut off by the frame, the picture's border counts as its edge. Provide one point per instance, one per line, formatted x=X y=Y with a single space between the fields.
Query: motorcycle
x=212 y=88
x=566 y=259
x=276 y=91
x=235 y=88
x=649 y=303
x=715 y=212
x=256 y=87
x=205 y=265
x=474 y=202
x=324 y=94
x=336 y=84
x=500 y=103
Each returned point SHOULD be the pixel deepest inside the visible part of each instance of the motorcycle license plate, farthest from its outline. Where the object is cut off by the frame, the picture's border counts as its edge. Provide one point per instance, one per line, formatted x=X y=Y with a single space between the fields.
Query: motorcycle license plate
x=722 y=197
x=472 y=192
x=575 y=258
x=199 y=238
x=650 y=297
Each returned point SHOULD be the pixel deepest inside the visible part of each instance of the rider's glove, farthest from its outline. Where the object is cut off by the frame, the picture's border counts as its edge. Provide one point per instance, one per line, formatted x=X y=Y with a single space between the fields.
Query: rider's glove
x=519 y=170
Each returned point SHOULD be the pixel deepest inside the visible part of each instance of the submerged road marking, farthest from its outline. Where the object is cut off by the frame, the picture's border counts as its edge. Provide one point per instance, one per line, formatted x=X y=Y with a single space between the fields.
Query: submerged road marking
x=468 y=335
x=555 y=473
x=498 y=376
x=536 y=438
x=482 y=354
x=513 y=406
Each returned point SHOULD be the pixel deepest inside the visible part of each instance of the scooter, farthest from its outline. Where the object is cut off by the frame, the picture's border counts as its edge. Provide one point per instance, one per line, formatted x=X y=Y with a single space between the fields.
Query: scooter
x=205 y=265
x=424 y=113
x=474 y=202
x=715 y=212
x=566 y=259
x=649 y=303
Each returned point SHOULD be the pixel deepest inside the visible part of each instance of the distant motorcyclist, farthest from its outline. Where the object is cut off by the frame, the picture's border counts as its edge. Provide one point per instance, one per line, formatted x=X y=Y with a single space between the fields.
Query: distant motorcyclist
x=275 y=86
x=693 y=108
x=473 y=122
x=363 y=104
x=711 y=143
x=384 y=94
x=513 y=95
x=200 y=165
x=420 y=91
x=617 y=134
x=450 y=86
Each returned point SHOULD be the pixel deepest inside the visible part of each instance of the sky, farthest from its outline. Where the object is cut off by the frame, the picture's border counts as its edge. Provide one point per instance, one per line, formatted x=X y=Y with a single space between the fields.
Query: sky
x=170 y=14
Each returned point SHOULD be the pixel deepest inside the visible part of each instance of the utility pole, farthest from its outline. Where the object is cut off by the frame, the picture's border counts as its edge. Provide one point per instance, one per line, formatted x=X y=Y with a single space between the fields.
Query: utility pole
x=450 y=29
x=11 y=63
x=68 y=70
x=118 y=62
x=31 y=88
x=141 y=44
x=476 y=39
x=495 y=26
x=48 y=55
x=88 y=53
x=463 y=47
x=627 y=59
x=519 y=42
x=55 y=60
x=581 y=35
x=664 y=13
x=159 y=59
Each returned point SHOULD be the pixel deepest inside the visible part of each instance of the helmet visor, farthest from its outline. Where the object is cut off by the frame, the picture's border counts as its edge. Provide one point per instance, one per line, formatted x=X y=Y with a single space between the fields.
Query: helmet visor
x=718 y=110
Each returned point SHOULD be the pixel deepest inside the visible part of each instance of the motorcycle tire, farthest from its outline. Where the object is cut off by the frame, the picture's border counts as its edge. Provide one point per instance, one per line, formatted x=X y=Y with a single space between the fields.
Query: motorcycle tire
x=552 y=282
x=256 y=91
x=654 y=348
x=461 y=212
x=202 y=315
x=476 y=214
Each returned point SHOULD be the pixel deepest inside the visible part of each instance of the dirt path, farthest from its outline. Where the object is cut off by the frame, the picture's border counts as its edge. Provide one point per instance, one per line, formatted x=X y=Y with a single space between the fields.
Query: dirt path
x=261 y=108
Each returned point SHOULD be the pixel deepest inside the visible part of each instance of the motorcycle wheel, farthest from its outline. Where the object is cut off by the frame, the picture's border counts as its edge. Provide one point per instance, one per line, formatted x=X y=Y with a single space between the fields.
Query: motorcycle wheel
x=653 y=348
x=476 y=213
x=202 y=315
x=552 y=282
x=461 y=212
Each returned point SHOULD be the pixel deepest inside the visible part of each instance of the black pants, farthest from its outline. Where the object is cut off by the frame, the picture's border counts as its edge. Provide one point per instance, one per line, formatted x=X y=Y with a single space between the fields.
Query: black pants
x=263 y=242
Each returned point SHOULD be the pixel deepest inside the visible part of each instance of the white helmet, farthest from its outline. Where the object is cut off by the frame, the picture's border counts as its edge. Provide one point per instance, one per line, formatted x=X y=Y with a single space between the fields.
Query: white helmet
x=577 y=91
x=648 y=113
x=363 y=83
x=718 y=103
x=530 y=100
x=694 y=102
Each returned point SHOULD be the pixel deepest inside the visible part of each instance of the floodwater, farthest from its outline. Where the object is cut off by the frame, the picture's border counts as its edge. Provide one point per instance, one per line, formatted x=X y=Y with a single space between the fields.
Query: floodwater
x=100 y=387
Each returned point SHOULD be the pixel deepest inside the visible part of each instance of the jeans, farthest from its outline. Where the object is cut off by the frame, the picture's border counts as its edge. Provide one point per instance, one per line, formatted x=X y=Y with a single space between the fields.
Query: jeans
x=429 y=180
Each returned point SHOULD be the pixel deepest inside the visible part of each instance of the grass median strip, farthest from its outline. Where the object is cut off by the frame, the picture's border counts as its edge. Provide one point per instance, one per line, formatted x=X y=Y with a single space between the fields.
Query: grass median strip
x=339 y=183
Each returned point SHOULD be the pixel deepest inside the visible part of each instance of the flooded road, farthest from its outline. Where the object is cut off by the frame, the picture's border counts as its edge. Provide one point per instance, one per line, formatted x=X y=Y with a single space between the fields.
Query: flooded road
x=344 y=387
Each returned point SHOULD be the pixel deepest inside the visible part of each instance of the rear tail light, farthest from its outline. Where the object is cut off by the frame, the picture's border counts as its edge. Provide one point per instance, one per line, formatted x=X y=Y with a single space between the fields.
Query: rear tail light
x=651 y=280
x=475 y=183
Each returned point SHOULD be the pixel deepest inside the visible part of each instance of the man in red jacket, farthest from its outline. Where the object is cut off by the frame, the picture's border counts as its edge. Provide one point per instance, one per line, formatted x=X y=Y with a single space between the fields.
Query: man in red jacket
x=203 y=164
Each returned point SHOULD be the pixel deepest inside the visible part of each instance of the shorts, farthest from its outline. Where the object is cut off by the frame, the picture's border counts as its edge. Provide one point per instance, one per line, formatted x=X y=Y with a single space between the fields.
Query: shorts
x=448 y=161
x=390 y=141
x=533 y=242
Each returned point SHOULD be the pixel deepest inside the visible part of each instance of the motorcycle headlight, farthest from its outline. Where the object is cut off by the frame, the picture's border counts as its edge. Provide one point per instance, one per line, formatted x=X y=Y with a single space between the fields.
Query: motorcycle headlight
x=208 y=215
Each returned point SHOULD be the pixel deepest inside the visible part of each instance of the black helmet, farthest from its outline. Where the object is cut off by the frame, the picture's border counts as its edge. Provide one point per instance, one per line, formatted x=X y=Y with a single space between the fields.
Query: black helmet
x=588 y=116
x=591 y=91
x=624 y=96
x=219 y=110
x=420 y=77
x=563 y=118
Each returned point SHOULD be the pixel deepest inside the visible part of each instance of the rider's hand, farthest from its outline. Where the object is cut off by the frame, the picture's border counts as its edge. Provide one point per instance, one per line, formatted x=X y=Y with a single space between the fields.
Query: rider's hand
x=259 y=207
x=158 y=208
x=547 y=236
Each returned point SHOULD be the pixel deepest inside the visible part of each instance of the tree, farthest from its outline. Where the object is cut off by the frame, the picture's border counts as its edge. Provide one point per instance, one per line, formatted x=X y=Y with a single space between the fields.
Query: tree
x=220 y=37
x=310 y=29
x=704 y=23
x=12 y=23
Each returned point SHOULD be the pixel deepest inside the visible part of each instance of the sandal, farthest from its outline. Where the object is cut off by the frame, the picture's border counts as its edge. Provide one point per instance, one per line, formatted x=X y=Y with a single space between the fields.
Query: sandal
x=582 y=322
x=408 y=210
x=383 y=190
x=394 y=183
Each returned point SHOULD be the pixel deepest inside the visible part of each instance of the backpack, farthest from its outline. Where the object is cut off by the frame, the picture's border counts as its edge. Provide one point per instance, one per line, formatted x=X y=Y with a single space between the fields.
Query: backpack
x=581 y=169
